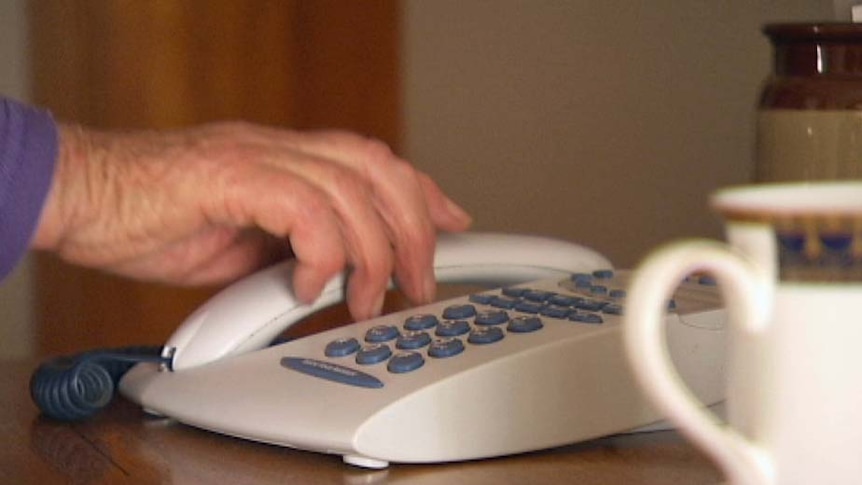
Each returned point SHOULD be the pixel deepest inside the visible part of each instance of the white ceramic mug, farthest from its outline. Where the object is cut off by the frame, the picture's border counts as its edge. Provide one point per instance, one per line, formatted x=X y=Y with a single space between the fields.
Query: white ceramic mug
x=791 y=278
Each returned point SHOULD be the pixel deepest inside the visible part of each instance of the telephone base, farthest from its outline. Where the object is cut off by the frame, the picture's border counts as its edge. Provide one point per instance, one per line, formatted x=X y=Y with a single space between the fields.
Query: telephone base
x=535 y=366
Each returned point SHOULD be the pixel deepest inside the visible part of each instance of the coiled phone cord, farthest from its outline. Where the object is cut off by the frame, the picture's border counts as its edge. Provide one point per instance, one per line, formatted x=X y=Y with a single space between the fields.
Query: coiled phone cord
x=77 y=387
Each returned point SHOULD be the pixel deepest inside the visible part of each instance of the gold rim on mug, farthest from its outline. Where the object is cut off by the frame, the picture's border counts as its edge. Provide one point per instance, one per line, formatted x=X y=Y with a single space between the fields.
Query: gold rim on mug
x=818 y=225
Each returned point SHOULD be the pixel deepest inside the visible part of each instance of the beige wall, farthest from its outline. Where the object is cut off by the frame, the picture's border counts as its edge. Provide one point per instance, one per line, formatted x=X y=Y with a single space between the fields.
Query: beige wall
x=601 y=122
x=15 y=296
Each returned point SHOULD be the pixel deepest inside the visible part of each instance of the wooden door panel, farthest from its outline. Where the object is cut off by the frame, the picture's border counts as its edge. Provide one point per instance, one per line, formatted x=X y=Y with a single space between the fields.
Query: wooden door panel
x=127 y=64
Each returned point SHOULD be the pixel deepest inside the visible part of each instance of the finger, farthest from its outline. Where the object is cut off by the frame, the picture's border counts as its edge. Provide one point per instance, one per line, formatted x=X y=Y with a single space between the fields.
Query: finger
x=398 y=198
x=357 y=151
x=285 y=206
x=415 y=249
x=411 y=204
x=367 y=245
x=446 y=214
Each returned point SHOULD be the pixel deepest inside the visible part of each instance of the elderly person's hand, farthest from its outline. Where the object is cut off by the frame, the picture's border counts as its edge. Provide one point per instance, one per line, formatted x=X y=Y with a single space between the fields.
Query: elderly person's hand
x=210 y=204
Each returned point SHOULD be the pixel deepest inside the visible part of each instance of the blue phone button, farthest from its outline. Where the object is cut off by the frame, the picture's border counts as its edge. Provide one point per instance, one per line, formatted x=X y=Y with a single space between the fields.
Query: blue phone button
x=413 y=340
x=381 y=333
x=405 y=362
x=604 y=274
x=459 y=312
x=555 y=311
x=613 y=309
x=373 y=354
x=491 y=317
x=341 y=347
x=537 y=295
x=452 y=328
x=485 y=335
x=331 y=372
x=529 y=307
x=582 y=280
x=525 y=324
x=420 y=322
x=505 y=302
x=562 y=300
x=445 y=347
x=582 y=317
x=481 y=298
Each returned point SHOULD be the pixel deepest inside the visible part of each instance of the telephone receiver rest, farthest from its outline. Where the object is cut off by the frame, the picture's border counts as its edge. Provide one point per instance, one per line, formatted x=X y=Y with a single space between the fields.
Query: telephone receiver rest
x=249 y=314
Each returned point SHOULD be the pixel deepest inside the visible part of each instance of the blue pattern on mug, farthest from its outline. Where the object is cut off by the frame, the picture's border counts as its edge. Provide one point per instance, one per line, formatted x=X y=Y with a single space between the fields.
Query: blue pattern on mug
x=818 y=254
x=791 y=248
x=837 y=249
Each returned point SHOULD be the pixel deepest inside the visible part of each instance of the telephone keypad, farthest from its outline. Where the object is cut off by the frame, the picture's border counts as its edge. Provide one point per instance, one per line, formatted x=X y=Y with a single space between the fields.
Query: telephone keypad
x=478 y=320
x=518 y=310
x=483 y=319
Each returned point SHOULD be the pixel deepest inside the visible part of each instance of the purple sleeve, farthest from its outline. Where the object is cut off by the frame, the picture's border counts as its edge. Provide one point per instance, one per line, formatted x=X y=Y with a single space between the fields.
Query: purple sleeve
x=28 y=152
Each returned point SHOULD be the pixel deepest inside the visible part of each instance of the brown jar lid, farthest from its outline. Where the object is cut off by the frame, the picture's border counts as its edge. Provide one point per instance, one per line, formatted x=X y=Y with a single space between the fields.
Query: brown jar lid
x=812 y=32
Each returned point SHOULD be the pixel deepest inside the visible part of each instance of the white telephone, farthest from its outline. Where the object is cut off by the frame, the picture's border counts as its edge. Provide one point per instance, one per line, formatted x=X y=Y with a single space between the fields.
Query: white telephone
x=502 y=371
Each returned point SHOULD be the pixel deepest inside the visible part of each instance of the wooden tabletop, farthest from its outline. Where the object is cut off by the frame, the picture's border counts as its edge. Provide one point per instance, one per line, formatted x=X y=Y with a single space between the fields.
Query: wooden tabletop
x=123 y=445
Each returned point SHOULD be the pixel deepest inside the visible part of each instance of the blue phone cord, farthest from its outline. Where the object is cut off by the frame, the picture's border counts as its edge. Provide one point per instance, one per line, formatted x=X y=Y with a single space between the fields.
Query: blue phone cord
x=74 y=388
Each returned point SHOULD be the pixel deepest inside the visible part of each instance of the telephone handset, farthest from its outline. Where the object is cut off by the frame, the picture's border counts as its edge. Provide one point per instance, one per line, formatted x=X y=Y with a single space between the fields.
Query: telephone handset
x=250 y=314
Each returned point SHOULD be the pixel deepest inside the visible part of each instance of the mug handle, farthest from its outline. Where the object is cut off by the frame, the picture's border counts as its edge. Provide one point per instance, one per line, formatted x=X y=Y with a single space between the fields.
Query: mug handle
x=744 y=290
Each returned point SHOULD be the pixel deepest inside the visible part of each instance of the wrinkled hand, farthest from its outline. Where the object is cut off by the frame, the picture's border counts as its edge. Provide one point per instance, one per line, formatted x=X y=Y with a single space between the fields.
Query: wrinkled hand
x=210 y=204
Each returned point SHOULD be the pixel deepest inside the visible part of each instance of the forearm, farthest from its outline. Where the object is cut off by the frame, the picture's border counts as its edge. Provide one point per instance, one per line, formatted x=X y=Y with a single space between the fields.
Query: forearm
x=28 y=153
